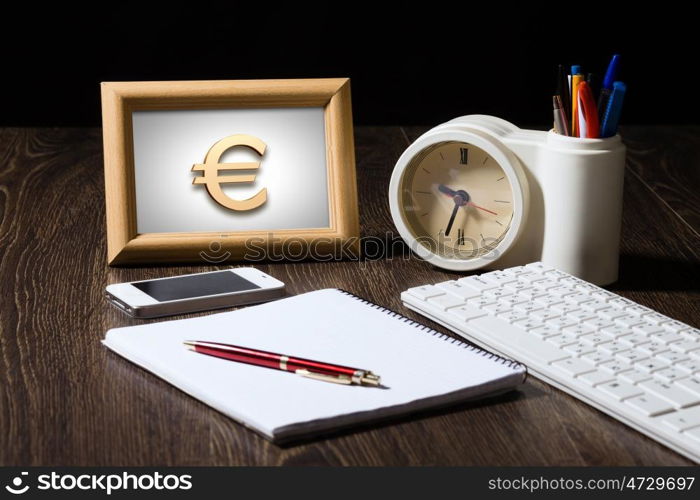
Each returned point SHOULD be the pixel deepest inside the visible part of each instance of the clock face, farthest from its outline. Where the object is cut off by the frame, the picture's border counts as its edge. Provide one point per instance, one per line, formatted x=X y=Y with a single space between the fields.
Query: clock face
x=457 y=200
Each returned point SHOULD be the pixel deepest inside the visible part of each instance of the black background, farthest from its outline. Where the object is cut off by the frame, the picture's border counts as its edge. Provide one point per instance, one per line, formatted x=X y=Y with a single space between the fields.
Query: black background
x=420 y=64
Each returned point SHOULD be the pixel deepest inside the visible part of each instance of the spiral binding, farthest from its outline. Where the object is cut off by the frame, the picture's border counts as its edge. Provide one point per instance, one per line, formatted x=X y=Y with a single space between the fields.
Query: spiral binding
x=495 y=357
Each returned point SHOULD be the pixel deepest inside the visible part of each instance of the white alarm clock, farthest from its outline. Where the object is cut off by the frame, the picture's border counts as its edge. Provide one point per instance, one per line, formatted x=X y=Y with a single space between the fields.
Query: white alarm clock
x=478 y=192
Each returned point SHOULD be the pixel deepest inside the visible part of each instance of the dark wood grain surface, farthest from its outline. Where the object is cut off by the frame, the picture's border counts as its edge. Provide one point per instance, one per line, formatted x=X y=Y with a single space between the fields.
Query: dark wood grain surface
x=66 y=400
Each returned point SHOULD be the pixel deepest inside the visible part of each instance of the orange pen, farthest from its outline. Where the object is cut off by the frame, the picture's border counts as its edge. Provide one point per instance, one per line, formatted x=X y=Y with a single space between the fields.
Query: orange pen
x=589 y=125
x=575 y=82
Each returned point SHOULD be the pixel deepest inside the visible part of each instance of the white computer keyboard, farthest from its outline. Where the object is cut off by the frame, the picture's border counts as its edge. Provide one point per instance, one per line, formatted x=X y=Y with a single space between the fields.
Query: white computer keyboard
x=627 y=360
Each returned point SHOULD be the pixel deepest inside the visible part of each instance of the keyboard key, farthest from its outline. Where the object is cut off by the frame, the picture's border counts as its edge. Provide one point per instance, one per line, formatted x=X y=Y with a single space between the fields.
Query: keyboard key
x=693 y=334
x=675 y=326
x=578 y=298
x=496 y=293
x=621 y=303
x=638 y=310
x=655 y=318
x=650 y=365
x=647 y=328
x=667 y=338
x=614 y=367
x=512 y=300
x=543 y=315
x=629 y=320
x=501 y=333
x=616 y=330
x=689 y=365
x=497 y=308
x=561 y=291
x=465 y=313
x=565 y=308
x=672 y=357
x=672 y=393
x=691 y=384
x=425 y=292
x=527 y=306
x=633 y=340
x=635 y=376
x=670 y=375
x=544 y=332
x=531 y=279
x=630 y=356
x=445 y=302
x=498 y=277
x=516 y=287
x=620 y=390
x=479 y=302
x=596 y=358
x=683 y=419
x=457 y=289
x=611 y=313
x=597 y=323
x=595 y=305
x=649 y=405
x=529 y=324
x=572 y=367
x=512 y=317
x=548 y=300
x=555 y=274
x=581 y=315
x=546 y=284
x=603 y=295
x=476 y=283
x=531 y=294
x=517 y=270
x=560 y=322
x=612 y=347
x=596 y=377
x=595 y=338
x=653 y=348
x=685 y=346
x=562 y=340
x=538 y=267
x=579 y=349
x=578 y=330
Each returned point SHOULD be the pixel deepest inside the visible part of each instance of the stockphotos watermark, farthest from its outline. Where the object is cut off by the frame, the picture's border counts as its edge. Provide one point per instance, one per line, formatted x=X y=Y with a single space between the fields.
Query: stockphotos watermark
x=102 y=483
x=388 y=246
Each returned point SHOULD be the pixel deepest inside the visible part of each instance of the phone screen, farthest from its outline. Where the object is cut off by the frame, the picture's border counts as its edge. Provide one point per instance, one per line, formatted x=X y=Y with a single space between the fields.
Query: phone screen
x=198 y=285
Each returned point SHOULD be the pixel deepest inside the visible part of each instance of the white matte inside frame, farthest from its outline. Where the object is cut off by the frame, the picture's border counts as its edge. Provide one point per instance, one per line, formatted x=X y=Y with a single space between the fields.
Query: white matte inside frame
x=293 y=169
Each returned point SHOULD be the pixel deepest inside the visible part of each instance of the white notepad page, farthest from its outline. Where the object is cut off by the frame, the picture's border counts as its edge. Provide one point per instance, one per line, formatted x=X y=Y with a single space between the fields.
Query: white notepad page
x=419 y=367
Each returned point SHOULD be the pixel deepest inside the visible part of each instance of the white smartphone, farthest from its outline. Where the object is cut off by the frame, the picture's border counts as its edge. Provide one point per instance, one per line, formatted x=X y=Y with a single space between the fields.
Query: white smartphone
x=194 y=292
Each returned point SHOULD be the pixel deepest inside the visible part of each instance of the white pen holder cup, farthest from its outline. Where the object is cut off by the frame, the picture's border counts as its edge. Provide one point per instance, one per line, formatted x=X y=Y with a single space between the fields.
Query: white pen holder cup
x=584 y=205
x=575 y=206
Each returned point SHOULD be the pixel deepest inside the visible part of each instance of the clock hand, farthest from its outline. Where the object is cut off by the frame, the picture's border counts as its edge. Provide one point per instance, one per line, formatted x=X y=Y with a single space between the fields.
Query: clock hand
x=445 y=190
x=481 y=208
x=452 y=219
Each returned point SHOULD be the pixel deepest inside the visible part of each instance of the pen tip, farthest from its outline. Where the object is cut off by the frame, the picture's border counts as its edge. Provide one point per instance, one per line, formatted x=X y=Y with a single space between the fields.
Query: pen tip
x=189 y=344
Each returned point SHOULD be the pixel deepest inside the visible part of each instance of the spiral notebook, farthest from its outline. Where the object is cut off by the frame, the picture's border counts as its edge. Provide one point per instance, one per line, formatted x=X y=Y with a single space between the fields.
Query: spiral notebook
x=420 y=367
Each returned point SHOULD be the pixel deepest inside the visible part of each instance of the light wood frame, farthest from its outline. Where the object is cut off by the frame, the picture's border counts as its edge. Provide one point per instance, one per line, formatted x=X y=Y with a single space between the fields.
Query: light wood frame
x=120 y=99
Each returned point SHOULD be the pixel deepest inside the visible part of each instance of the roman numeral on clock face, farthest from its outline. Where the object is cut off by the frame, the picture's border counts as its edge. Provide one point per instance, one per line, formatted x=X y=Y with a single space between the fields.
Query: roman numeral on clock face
x=463 y=156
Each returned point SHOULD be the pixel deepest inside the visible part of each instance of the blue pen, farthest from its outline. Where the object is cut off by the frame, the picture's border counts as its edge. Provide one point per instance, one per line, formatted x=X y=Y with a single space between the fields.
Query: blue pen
x=612 y=113
x=611 y=73
x=606 y=88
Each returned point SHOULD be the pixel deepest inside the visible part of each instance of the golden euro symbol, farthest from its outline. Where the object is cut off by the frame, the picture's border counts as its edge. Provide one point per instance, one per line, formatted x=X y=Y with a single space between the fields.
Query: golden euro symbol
x=213 y=180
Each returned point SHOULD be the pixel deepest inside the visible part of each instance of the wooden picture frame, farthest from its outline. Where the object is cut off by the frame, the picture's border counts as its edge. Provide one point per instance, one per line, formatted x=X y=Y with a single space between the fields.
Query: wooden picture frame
x=126 y=246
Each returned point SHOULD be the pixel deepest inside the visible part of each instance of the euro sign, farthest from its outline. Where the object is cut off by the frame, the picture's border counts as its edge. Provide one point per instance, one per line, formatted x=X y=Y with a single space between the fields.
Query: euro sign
x=212 y=180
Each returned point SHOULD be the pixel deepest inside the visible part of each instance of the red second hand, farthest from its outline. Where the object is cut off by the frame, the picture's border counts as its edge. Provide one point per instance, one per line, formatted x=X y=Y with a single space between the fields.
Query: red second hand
x=481 y=208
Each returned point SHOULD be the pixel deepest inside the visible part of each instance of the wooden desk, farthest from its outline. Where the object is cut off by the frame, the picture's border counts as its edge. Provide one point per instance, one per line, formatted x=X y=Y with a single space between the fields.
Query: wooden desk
x=66 y=400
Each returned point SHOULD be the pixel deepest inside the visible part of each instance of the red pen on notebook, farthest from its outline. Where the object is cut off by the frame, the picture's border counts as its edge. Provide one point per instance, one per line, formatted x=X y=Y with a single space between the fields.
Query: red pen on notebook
x=589 y=125
x=318 y=370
